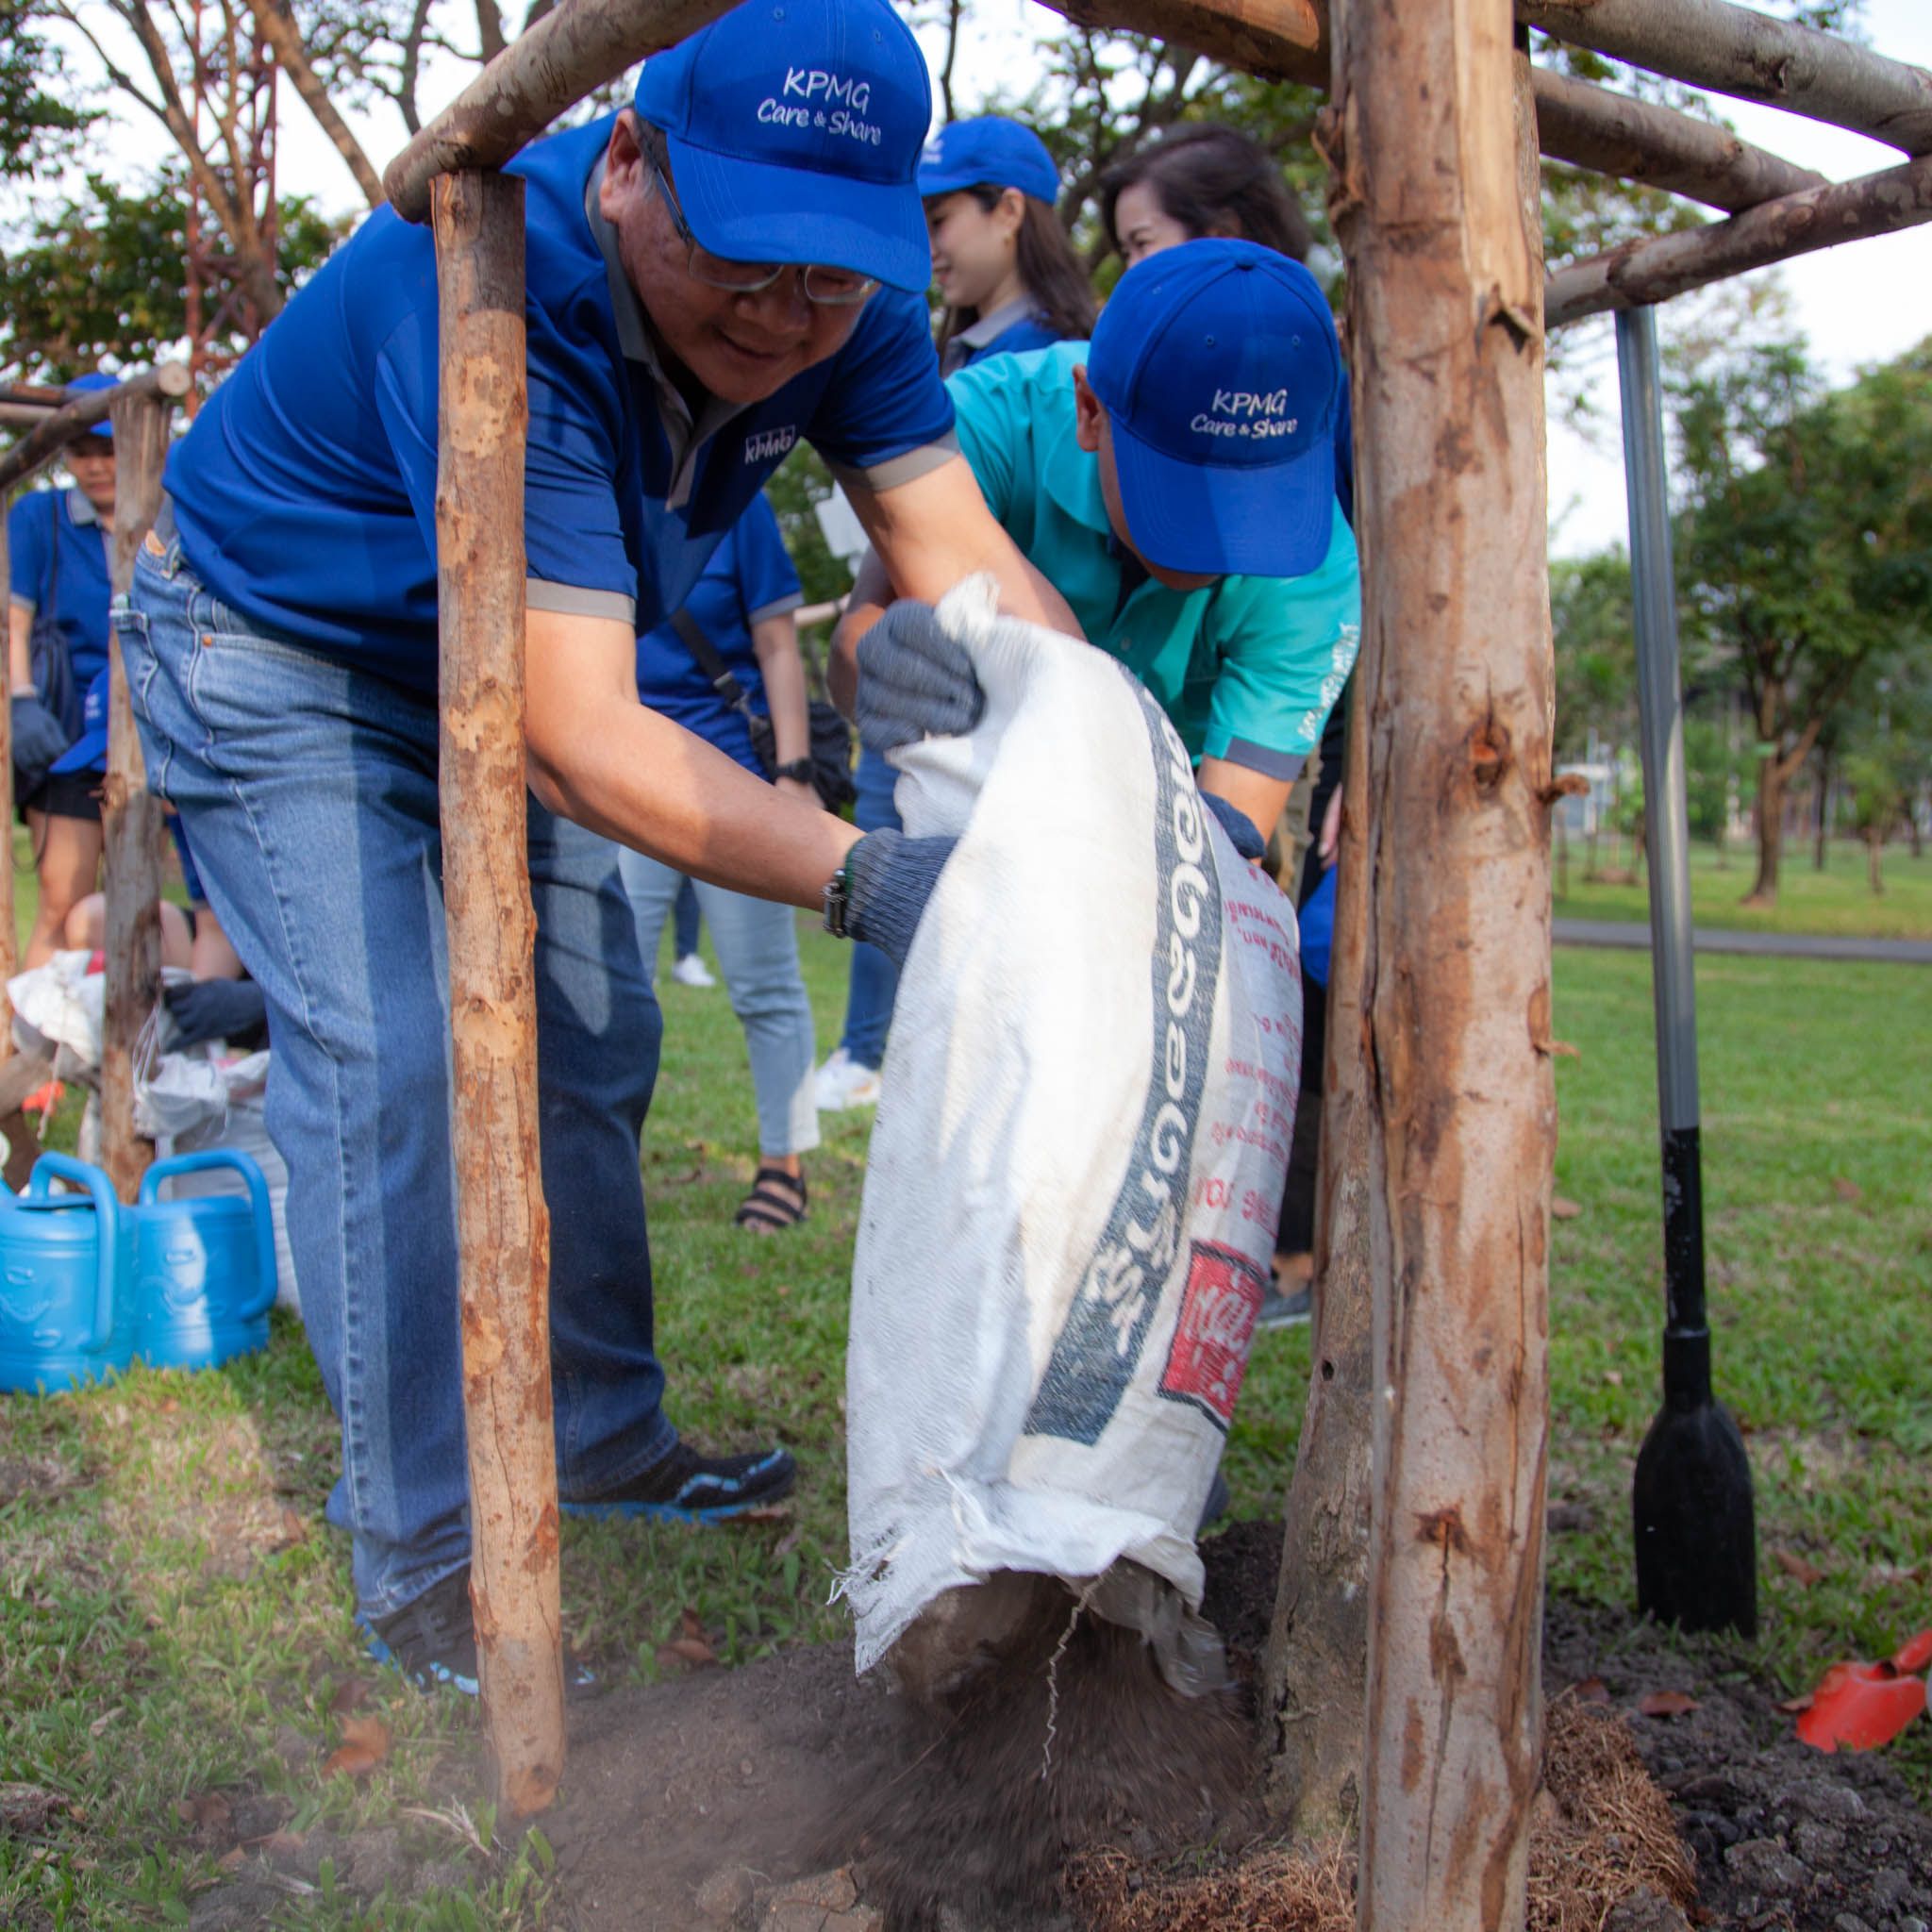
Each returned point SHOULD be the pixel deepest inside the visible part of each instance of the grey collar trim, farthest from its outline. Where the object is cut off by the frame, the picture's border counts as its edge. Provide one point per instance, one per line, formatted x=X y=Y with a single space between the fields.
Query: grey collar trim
x=633 y=331
x=997 y=323
x=80 y=510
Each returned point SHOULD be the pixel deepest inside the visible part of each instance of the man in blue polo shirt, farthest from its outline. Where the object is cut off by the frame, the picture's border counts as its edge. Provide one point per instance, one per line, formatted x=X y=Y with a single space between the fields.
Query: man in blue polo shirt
x=1175 y=480
x=729 y=266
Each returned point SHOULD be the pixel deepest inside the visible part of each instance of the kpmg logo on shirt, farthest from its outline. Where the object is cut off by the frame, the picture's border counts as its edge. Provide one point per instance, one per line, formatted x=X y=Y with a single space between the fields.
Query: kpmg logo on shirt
x=1246 y=414
x=768 y=443
x=818 y=98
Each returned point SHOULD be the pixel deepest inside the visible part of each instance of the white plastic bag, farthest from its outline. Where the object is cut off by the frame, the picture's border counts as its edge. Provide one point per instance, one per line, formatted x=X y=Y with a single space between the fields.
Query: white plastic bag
x=1077 y=1167
x=61 y=1002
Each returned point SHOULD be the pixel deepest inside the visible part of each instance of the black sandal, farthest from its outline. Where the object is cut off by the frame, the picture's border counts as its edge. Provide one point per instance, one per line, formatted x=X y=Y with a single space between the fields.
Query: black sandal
x=765 y=1209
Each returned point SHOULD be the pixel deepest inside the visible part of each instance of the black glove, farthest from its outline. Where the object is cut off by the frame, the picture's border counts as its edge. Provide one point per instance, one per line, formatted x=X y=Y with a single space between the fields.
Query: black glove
x=230 y=1009
x=890 y=877
x=38 y=741
x=1238 y=827
x=914 y=681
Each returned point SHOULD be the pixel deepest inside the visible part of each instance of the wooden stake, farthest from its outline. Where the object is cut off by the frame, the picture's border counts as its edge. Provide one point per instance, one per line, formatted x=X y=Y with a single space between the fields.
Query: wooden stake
x=503 y=1226
x=1446 y=327
x=43 y=443
x=1733 y=50
x=130 y=817
x=1640 y=272
x=1316 y=1663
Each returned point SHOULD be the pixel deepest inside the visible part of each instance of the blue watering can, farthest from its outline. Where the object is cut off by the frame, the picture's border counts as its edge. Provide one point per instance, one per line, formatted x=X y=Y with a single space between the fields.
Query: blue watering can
x=204 y=1269
x=64 y=1259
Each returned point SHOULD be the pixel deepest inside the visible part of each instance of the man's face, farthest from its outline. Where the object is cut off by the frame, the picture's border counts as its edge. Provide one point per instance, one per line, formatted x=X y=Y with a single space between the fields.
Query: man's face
x=741 y=347
x=91 y=464
x=1093 y=431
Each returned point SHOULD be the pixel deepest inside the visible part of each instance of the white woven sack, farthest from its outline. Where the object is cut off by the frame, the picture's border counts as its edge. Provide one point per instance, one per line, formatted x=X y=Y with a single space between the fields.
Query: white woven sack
x=1077 y=1167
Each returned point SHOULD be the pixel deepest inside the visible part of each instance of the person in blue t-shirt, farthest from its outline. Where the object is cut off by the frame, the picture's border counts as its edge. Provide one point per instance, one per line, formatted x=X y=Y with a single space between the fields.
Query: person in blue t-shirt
x=730 y=265
x=1010 y=282
x=57 y=638
x=742 y=605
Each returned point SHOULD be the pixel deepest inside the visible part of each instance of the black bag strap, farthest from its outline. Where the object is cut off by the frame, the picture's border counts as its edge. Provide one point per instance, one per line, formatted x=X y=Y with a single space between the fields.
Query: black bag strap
x=712 y=663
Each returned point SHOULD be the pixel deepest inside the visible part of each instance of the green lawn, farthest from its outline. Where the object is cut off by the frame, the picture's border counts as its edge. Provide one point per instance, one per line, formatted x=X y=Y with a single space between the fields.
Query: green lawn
x=1837 y=900
x=174 y=1617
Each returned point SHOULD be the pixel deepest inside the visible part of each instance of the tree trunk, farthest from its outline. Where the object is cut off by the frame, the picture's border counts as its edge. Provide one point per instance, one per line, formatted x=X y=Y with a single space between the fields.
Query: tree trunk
x=503 y=1226
x=279 y=28
x=130 y=818
x=1823 y=834
x=1771 y=829
x=1874 y=861
x=1316 y=1662
x=1436 y=215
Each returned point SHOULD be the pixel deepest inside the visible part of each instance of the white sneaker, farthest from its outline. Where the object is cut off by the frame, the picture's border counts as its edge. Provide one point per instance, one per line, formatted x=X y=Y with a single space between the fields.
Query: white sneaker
x=691 y=970
x=841 y=1082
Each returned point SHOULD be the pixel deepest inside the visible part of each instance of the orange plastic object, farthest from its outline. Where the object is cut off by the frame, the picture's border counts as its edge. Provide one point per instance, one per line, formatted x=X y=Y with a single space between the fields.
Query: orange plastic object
x=1861 y=1707
x=43 y=1099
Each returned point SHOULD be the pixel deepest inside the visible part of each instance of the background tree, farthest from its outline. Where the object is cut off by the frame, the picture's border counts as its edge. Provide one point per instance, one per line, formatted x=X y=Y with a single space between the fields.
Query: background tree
x=41 y=121
x=1805 y=544
x=101 y=276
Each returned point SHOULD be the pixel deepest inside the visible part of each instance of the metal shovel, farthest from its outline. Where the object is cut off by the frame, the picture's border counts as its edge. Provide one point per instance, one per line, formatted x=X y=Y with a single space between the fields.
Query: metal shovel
x=1696 y=1528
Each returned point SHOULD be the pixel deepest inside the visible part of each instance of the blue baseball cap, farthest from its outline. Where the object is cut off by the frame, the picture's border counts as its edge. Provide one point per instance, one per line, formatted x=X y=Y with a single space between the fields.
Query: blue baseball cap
x=1219 y=367
x=96 y=381
x=990 y=151
x=88 y=752
x=794 y=129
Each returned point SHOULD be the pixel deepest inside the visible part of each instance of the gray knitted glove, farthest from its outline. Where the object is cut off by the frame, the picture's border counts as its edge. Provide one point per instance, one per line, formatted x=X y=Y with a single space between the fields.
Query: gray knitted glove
x=890 y=877
x=914 y=681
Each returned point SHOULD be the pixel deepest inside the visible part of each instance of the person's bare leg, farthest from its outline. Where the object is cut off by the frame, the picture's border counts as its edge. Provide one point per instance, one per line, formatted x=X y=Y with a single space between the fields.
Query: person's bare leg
x=212 y=957
x=86 y=931
x=70 y=867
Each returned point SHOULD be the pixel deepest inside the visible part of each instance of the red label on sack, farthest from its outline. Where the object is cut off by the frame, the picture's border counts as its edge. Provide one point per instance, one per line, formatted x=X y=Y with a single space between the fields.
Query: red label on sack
x=1210 y=1354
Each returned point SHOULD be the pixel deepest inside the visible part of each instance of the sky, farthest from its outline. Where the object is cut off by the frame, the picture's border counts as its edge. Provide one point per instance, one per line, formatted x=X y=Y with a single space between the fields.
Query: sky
x=1861 y=303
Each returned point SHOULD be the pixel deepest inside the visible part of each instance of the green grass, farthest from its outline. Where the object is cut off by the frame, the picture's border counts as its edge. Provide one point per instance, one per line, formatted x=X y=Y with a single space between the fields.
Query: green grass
x=175 y=1616
x=1837 y=900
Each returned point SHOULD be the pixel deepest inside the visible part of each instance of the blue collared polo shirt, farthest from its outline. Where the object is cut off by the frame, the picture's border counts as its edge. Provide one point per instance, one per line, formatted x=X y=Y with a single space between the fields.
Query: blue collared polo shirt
x=1007 y=331
x=749 y=578
x=57 y=549
x=305 y=496
x=1247 y=668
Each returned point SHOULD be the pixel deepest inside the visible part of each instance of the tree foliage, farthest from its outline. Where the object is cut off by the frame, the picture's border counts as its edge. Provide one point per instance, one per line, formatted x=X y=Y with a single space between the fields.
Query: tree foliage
x=41 y=116
x=102 y=276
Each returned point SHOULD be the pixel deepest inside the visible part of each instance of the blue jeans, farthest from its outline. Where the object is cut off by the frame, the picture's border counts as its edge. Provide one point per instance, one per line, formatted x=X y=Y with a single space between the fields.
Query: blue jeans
x=758 y=948
x=685 y=919
x=875 y=983
x=310 y=795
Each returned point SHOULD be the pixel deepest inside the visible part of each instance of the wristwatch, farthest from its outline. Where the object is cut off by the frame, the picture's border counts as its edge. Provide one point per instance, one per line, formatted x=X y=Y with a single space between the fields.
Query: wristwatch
x=838 y=898
x=799 y=769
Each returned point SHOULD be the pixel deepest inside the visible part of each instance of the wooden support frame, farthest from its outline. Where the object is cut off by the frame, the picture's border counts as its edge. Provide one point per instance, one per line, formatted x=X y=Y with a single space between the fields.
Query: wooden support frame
x=130 y=815
x=43 y=443
x=502 y=1226
x=1733 y=50
x=1612 y=134
x=1435 y=204
x=571 y=51
x=1640 y=272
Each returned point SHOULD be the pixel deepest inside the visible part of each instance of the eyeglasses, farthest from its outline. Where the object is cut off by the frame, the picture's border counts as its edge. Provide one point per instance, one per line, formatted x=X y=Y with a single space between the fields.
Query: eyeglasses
x=828 y=288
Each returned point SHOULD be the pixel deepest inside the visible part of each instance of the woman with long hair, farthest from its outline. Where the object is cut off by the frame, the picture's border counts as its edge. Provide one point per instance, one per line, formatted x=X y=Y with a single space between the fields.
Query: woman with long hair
x=1198 y=182
x=1001 y=259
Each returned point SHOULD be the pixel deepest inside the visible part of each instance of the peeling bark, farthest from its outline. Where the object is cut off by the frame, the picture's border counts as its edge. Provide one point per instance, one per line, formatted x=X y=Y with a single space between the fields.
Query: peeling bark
x=1446 y=327
x=502 y=1226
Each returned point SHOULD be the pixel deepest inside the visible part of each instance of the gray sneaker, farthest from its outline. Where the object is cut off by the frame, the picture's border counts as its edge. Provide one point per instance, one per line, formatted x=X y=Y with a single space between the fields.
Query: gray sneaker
x=1286 y=1310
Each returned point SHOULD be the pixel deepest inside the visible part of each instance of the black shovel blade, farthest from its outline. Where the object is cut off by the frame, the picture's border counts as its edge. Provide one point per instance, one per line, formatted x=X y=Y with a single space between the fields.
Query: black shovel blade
x=1696 y=1528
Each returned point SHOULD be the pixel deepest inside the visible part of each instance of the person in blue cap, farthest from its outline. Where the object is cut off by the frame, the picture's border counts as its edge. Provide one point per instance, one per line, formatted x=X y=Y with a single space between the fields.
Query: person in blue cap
x=1175 y=480
x=1002 y=263
x=731 y=265
x=57 y=638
